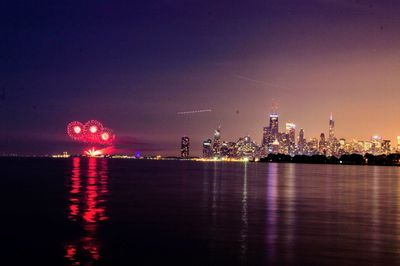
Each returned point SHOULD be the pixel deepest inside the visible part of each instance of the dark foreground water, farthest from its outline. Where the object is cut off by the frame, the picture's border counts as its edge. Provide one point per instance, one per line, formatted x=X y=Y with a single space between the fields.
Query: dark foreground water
x=129 y=212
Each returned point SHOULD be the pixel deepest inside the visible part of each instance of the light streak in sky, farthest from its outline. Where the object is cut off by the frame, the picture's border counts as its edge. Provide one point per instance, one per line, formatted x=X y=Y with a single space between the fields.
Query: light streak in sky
x=194 y=112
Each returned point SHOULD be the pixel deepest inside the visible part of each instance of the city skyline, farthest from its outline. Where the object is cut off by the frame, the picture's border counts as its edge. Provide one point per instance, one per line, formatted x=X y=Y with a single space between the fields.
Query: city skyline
x=145 y=68
x=293 y=141
x=197 y=150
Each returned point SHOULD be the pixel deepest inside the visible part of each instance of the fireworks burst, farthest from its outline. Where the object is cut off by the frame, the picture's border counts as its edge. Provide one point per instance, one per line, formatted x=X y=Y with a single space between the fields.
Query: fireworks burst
x=75 y=130
x=93 y=153
x=91 y=132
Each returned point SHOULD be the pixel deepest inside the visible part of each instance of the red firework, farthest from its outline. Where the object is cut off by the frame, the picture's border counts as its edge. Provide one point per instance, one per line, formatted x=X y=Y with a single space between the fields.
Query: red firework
x=91 y=132
x=107 y=137
x=75 y=130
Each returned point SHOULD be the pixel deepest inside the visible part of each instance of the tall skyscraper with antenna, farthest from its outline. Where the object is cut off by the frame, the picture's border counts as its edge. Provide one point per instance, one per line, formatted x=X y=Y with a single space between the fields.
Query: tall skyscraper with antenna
x=331 y=128
x=271 y=132
x=217 y=141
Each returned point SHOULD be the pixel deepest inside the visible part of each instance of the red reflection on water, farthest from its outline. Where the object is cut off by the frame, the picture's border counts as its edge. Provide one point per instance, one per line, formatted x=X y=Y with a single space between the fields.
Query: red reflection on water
x=87 y=207
x=75 y=189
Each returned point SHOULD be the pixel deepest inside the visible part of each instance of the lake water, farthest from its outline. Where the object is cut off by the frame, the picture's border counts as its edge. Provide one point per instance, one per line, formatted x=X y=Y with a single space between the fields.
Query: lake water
x=81 y=211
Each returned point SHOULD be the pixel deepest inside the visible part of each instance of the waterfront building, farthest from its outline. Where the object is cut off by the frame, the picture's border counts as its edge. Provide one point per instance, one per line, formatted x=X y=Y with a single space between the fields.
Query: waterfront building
x=301 y=142
x=185 y=147
x=274 y=124
x=312 y=146
x=331 y=128
x=270 y=133
x=207 y=149
x=246 y=147
x=386 y=147
x=322 y=147
x=275 y=147
x=217 y=142
x=291 y=138
x=398 y=143
x=376 y=148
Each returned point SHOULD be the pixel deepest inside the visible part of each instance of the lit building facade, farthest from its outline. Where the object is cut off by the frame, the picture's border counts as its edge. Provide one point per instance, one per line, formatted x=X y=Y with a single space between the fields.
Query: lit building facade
x=217 y=142
x=185 y=143
x=207 y=149
x=291 y=138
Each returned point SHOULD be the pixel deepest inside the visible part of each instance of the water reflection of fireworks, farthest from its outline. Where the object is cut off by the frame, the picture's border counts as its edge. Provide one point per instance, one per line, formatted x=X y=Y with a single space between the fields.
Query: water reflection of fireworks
x=87 y=207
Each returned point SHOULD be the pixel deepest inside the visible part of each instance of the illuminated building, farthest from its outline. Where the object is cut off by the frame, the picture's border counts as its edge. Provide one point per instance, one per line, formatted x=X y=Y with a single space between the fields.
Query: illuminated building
x=398 y=143
x=312 y=146
x=265 y=138
x=331 y=128
x=290 y=138
x=274 y=124
x=224 y=149
x=246 y=147
x=63 y=155
x=376 y=145
x=322 y=144
x=275 y=146
x=332 y=144
x=217 y=142
x=301 y=143
x=185 y=147
x=386 y=146
x=207 y=149
x=341 y=147
x=271 y=132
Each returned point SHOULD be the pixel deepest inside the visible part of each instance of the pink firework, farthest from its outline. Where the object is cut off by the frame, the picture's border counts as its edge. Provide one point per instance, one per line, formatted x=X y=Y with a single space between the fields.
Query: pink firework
x=107 y=136
x=91 y=132
x=75 y=130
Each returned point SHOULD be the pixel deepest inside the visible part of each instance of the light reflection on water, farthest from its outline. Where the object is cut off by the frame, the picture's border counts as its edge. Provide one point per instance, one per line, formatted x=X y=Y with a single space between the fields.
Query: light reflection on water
x=244 y=229
x=114 y=212
x=87 y=207
x=271 y=205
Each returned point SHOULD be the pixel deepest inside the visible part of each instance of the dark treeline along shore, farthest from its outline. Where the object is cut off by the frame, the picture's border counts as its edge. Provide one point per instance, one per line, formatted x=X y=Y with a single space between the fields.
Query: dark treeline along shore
x=357 y=159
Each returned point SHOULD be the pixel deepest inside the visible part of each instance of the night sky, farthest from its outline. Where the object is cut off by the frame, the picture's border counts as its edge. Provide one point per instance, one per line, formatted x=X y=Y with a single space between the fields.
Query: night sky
x=134 y=64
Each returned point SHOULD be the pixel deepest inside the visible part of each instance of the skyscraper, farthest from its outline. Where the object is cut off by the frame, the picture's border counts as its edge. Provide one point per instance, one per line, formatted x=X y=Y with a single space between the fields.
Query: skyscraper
x=217 y=142
x=386 y=146
x=271 y=132
x=207 y=149
x=265 y=138
x=331 y=128
x=322 y=144
x=332 y=143
x=301 y=142
x=185 y=147
x=274 y=124
x=291 y=137
x=398 y=143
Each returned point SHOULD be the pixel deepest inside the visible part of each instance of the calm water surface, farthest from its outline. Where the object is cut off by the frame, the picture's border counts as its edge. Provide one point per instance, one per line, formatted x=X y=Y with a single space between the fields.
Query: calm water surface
x=128 y=212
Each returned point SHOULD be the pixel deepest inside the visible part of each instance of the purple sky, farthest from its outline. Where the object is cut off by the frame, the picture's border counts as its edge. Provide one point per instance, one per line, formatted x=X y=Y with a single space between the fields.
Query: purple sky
x=134 y=65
